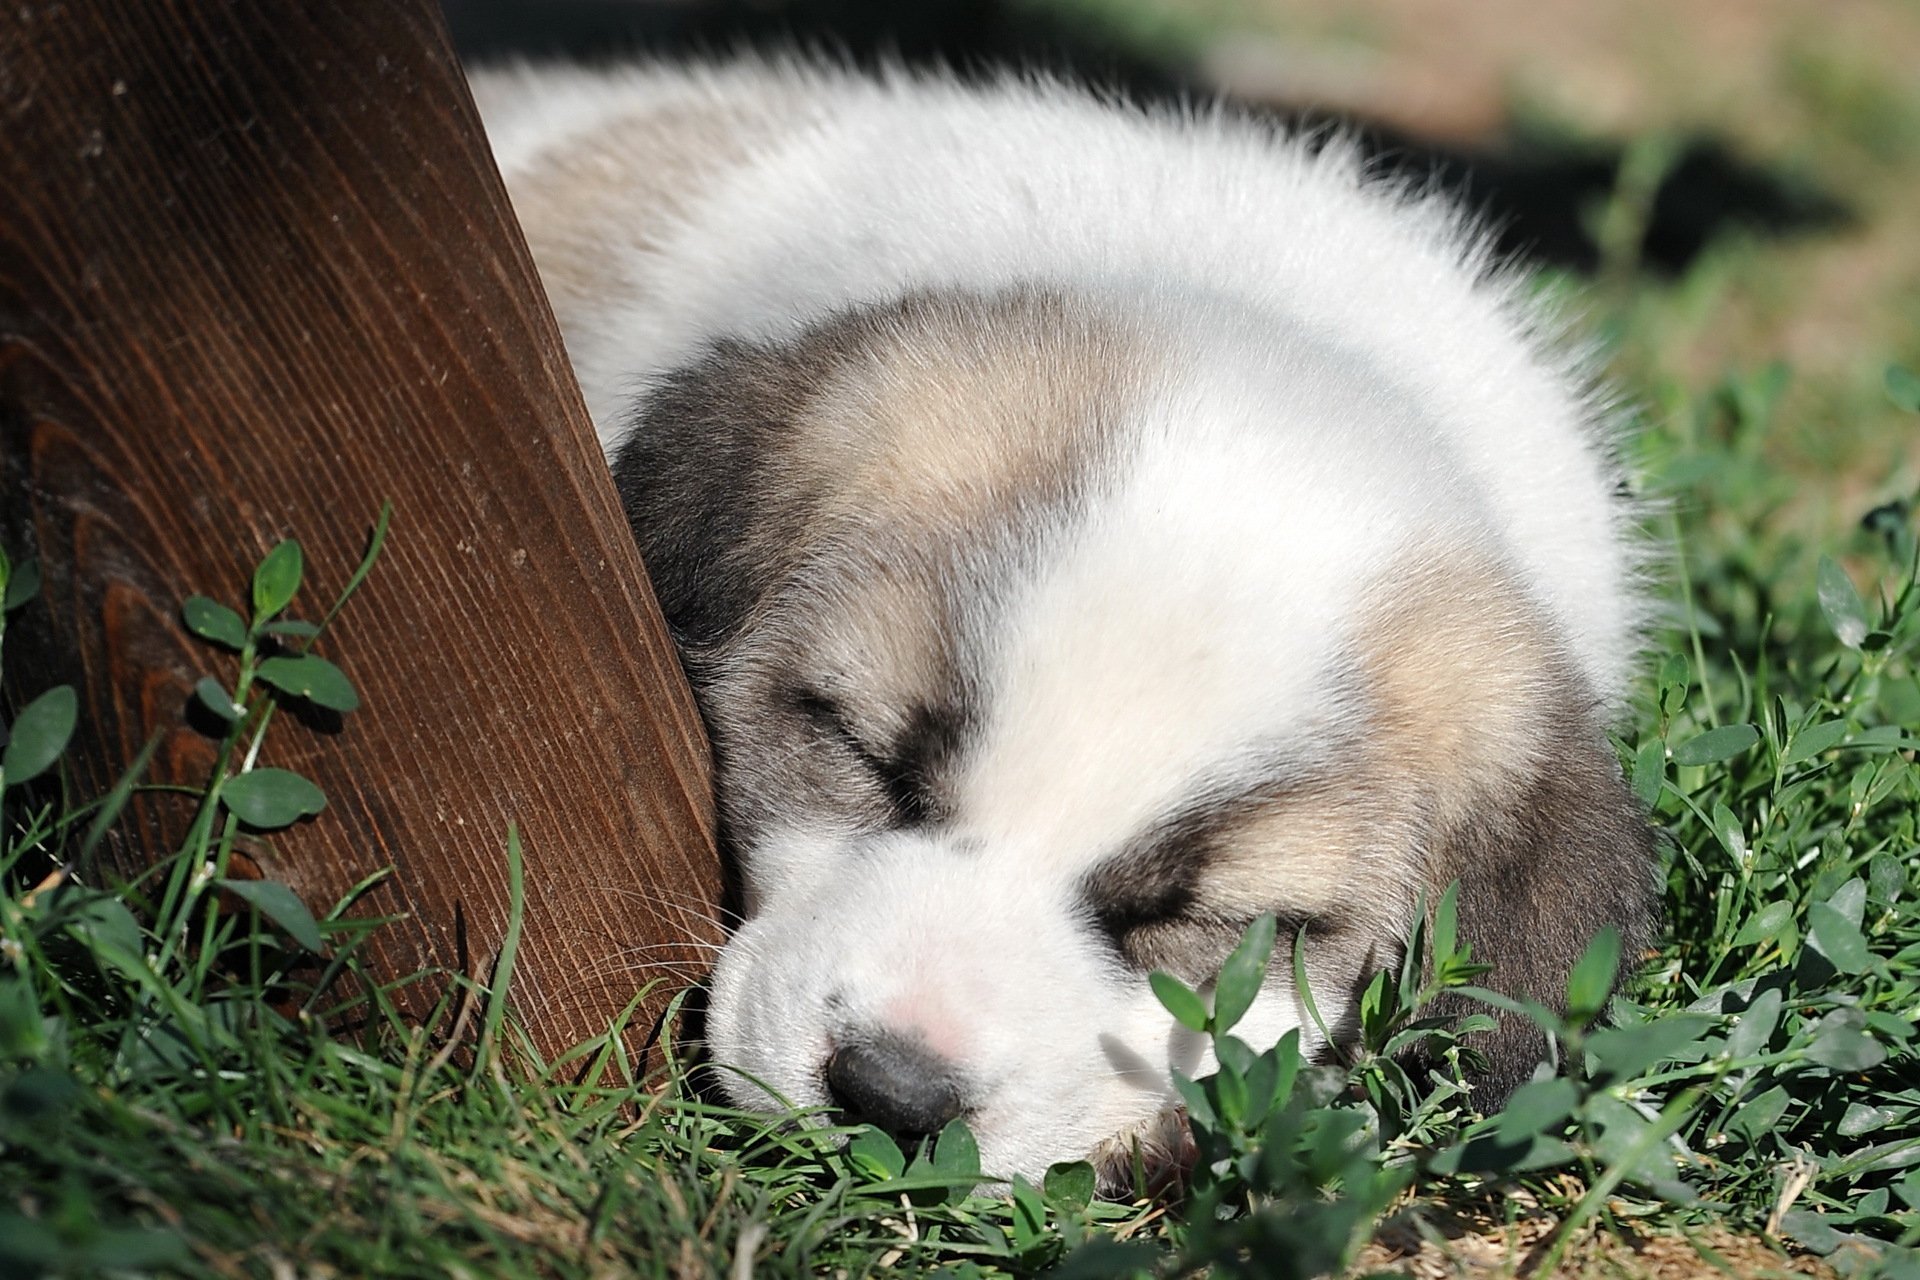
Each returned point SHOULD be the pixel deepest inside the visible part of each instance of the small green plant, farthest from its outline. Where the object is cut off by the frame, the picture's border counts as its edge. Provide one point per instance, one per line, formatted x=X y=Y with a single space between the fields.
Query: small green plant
x=1291 y=1169
x=152 y=985
x=37 y=736
x=1297 y=1161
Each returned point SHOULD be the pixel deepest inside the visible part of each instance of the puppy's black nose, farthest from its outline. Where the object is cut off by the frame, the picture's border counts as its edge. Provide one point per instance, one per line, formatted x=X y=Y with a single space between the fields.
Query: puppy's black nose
x=895 y=1084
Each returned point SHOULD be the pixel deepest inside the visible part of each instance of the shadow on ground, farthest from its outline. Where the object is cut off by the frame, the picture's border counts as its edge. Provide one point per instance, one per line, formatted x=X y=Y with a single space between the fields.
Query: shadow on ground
x=1540 y=197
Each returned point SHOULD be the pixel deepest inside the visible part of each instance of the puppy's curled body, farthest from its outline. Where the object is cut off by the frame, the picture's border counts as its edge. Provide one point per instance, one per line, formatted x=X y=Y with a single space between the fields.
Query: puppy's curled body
x=1086 y=529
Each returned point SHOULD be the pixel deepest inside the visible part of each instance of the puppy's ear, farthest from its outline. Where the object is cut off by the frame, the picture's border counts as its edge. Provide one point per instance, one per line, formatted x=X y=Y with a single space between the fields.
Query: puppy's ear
x=708 y=478
x=1544 y=862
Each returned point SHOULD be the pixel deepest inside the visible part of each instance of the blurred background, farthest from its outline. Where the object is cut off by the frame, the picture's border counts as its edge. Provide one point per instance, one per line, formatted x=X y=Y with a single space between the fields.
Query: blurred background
x=1731 y=186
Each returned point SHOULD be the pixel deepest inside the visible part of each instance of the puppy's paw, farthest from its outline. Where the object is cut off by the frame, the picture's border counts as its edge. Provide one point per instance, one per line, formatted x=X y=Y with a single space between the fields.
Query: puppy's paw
x=1166 y=1155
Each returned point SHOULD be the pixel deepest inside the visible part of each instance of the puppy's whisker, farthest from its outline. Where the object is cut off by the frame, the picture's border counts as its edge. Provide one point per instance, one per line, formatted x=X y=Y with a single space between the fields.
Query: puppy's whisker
x=632 y=962
x=687 y=904
x=691 y=903
x=674 y=914
x=601 y=975
x=712 y=948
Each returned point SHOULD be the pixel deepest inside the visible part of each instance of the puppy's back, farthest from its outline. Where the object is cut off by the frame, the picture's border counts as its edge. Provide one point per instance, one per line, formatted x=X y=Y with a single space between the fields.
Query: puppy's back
x=673 y=210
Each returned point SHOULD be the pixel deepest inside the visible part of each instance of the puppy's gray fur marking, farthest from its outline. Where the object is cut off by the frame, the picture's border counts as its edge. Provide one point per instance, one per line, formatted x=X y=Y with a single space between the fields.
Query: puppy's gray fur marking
x=768 y=484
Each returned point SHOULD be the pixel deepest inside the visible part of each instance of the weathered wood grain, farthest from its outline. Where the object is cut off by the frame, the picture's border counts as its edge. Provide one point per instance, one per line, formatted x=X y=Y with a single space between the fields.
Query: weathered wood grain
x=257 y=275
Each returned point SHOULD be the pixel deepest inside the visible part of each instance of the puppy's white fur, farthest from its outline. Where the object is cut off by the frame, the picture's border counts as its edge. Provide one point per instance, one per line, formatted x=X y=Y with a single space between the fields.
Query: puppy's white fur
x=1317 y=381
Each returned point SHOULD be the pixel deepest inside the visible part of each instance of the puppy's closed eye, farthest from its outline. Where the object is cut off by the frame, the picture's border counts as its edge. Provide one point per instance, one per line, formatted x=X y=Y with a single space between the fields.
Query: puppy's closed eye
x=903 y=767
x=1164 y=924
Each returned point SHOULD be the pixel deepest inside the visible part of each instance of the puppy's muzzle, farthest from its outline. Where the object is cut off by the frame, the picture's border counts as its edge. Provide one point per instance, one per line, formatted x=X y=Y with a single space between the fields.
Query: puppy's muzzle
x=895 y=1083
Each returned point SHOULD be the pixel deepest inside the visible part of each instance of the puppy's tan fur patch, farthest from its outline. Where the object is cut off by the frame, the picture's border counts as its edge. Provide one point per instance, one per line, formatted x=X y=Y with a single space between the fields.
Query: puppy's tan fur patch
x=883 y=436
x=1456 y=666
x=949 y=405
x=1466 y=719
x=846 y=495
x=1520 y=799
x=622 y=186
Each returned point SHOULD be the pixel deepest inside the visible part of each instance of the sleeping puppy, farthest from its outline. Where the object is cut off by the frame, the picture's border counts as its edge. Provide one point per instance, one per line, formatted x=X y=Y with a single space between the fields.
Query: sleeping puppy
x=1085 y=530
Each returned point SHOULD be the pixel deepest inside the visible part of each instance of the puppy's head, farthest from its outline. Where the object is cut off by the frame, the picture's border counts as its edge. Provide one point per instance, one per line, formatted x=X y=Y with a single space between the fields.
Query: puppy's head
x=1042 y=648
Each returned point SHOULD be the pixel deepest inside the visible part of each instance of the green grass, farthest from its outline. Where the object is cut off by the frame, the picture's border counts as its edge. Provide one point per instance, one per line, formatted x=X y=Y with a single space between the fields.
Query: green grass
x=172 y=1103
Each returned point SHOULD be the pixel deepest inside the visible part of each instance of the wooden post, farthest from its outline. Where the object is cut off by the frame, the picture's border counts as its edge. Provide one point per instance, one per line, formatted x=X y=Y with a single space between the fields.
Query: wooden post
x=257 y=275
